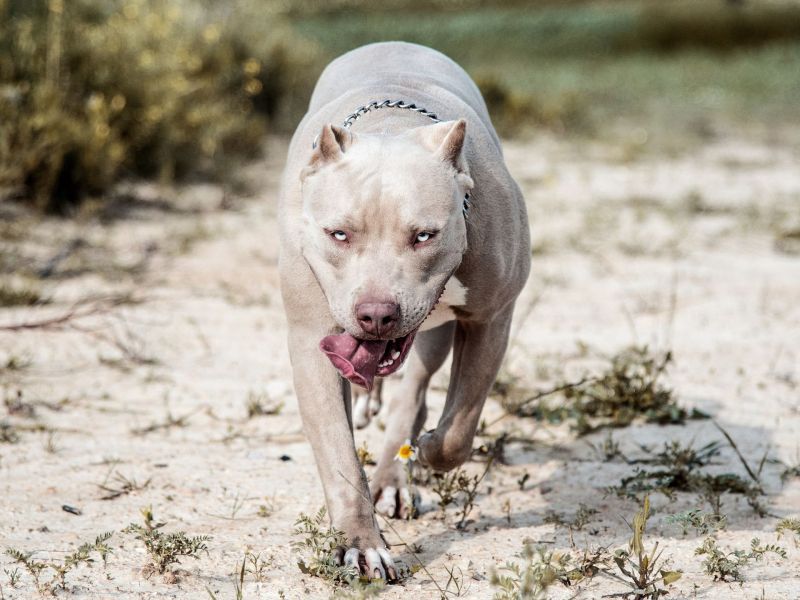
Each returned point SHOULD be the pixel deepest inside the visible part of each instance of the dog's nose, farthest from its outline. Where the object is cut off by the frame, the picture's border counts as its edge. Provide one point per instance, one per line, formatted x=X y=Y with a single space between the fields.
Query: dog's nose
x=378 y=318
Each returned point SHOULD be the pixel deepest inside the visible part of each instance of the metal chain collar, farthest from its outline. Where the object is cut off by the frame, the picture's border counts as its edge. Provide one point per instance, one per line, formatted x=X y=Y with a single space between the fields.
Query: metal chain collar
x=375 y=105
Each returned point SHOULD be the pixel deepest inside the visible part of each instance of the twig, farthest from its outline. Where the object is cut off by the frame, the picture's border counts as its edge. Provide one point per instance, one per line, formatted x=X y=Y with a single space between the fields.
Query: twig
x=79 y=310
x=543 y=394
x=733 y=445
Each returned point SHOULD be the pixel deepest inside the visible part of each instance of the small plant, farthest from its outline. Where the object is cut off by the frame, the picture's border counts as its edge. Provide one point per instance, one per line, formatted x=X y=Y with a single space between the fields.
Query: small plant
x=13 y=576
x=725 y=566
x=8 y=433
x=677 y=469
x=582 y=517
x=365 y=457
x=702 y=523
x=168 y=423
x=641 y=570
x=317 y=548
x=530 y=579
x=36 y=567
x=608 y=450
x=455 y=485
x=629 y=389
x=164 y=549
x=251 y=564
x=259 y=405
x=267 y=508
x=789 y=525
x=116 y=484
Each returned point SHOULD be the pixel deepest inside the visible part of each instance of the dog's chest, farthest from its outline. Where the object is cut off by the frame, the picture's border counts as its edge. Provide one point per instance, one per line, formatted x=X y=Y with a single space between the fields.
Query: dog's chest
x=455 y=294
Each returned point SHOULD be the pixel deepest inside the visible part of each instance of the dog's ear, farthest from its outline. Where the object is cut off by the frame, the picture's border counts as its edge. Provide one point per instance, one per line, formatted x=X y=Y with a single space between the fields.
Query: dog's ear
x=329 y=145
x=446 y=141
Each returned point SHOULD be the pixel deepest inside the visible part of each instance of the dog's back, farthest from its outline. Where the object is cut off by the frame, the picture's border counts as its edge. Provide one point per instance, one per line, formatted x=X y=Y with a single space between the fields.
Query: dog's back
x=384 y=65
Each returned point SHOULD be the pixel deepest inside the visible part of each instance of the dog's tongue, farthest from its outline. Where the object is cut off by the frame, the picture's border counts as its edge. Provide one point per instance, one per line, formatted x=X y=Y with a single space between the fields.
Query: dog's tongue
x=357 y=360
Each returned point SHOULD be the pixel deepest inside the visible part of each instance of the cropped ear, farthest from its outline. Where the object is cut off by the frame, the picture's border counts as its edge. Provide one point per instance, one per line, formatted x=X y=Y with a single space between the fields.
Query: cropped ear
x=329 y=146
x=446 y=141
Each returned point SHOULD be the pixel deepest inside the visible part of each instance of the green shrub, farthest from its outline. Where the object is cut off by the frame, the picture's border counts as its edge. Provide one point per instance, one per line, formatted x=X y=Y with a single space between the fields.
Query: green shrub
x=91 y=91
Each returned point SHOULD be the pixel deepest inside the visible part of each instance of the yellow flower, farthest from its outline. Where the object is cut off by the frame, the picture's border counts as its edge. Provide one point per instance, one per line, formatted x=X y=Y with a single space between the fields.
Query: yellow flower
x=406 y=453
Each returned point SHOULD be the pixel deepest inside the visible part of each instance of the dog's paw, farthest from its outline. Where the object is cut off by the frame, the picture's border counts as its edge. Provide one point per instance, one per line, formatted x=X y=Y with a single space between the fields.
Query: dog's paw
x=374 y=563
x=397 y=502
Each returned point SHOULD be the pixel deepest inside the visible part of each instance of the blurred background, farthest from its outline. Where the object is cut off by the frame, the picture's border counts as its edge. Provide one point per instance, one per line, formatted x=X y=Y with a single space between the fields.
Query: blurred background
x=93 y=92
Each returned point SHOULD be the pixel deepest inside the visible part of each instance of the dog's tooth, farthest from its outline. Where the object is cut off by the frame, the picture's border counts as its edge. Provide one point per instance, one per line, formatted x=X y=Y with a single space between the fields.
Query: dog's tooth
x=396 y=354
x=390 y=361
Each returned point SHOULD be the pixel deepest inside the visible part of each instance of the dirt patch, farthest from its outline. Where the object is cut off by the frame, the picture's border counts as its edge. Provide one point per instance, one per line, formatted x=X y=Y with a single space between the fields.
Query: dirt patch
x=179 y=396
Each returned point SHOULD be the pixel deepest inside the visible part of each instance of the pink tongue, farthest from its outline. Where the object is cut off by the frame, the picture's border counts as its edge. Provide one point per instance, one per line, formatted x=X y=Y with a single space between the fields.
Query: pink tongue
x=357 y=360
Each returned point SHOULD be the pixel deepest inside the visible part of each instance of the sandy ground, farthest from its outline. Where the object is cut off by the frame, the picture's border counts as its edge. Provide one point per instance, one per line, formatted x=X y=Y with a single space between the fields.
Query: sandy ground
x=679 y=252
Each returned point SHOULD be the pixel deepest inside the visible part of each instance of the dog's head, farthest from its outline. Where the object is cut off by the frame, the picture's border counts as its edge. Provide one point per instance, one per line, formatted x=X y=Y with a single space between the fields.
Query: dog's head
x=383 y=224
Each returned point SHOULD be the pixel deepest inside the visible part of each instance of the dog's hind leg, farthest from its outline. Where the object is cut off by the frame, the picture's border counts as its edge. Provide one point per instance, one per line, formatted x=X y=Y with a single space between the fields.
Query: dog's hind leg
x=367 y=404
x=391 y=490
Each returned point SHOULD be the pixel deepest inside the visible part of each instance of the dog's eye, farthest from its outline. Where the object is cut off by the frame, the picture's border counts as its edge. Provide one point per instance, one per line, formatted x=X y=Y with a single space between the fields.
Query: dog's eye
x=339 y=235
x=423 y=236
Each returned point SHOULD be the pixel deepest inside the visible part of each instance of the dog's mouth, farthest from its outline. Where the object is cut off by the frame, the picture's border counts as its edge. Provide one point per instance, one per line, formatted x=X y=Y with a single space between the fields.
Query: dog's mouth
x=360 y=361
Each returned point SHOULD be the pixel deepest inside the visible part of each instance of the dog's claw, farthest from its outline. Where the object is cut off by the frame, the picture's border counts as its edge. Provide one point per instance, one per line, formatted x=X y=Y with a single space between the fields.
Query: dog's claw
x=351 y=560
x=375 y=563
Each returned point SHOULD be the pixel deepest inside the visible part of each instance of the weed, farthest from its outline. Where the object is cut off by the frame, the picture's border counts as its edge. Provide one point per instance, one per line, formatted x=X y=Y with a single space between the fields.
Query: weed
x=116 y=484
x=16 y=406
x=725 y=566
x=169 y=422
x=36 y=567
x=449 y=487
x=494 y=449
x=18 y=295
x=702 y=523
x=789 y=525
x=789 y=472
x=531 y=578
x=365 y=457
x=164 y=549
x=317 y=548
x=13 y=576
x=630 y=388
x=267 y=508
x=456 y=581
x=259 y=404
x=8 y=433
x=677 y=470
x=16 y=362
x=251 y=564
x=50 y=445
x=641 y=570
x=608 y=450
x=582 y=517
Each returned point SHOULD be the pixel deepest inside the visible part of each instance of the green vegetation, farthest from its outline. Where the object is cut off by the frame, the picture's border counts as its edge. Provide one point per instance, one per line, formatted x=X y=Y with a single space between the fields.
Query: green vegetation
x=164 y=549
x=726 y=566
x=585 y=66
x=58 y=567
x=94 y=91
x=629 y=389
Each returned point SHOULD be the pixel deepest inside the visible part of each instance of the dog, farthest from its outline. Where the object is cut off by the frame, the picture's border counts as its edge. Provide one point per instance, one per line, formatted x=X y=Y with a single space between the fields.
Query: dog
x=403 y=236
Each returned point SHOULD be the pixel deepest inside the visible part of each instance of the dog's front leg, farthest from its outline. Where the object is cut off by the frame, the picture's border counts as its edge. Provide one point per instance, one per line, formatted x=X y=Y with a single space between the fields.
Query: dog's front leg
x=324 y=400
x=478 y=351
